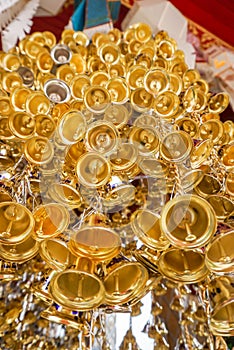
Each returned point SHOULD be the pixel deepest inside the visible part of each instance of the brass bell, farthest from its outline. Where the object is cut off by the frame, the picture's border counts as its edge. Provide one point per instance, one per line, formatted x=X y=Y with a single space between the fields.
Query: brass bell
x=190 y=76
x=18 y=98
x=93 y=170
x=10 y=62
x=219 y=254
x=109 y=53
x=33 y=48
x=5 y=131
x=81 y=38
x=38 y=150
x=118 y=90
x=191 y=179
x=176 y=146
x=115 y=35
x=179 y=67
x=50 y=220
x=188 y=125
x=22 y=125
x=226 y=155
x=209 y=185
x=183 y=266
x=223 y=206
x=124 y=160
x=117 y=70
x=37 y=103
x=229 y=183
x=97 y=99
x=166 y=49
x=135 y=76
x=11 y=81
x=102 y=136
x=146 y=139
x=200 y=153
x=50 y=38
x=61 y=54
x=65 y=194
x=99 y=78
x=134 y=46
x=156 y=81
x=19 y=252
x=201 y=85
x=188 y=221
x=65 y=73
x=78 y=85
x=44 y=62
x=221 y=292
x=218 y=103
x=175 y=83
x=146 y=225
x=143 y=32
x=124 y=282
x=194 y=100
x=146 y=119
x=166 y=104
x=77 y=288
x=211 y=129
x=117 y=114
x=141 y=100
x=17 y=223
x=78 y=63
x=144 y=60
x=45 y=125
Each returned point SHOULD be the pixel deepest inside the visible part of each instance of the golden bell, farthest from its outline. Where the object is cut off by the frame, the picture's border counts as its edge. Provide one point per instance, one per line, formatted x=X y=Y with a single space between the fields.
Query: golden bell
x=11 y=81
x=145 y=138
x=50 y=220
x=19 y=252
x=117 y=114
x=194 y=100
x=5 y=106
x=156 y=81
x=201 y=85
x=57 y=91
x=134 y=46
x=94 y=64
x=10 y=62
x=166 y=104
x=118 y=90
x=18 y=98
x=73 y=153
x=153 y=167
x=102 y=136
x=175 y=83
x=183 y=266
x=141 y=100
x=93 y=170
x=115 y=35
x=188 y=125
x=38 y=37
x=45 y=125
x=26 y=75
x=17 y=223
x=160 y=63
x=38 y=150
x=209 y=185
x=97 y=99
x=99 y=78
x=109 y=53
x=188 y=221
x=179 y=67
x=66 y=73
x=78 y=85
x=135 y=76
x=191 y=179
x=44 y=62
x=190 y=76
x=81 y=38
x=37 y=103
x=61 y=54
x=219 y=254
x=85 y=292
x=229 y=183
x=124 y=160
x=226 y=158
x=144 y=60
x=143 y=32
x=176 y=146
x=146 y=119
x=33 y=48
x=5 y=131
x=223 y=206
x=50 y=38
x=200 y=153
x=145 y=225
x=218 y=103
x=78 y=63
x=65 y=194
x=22 y=125
x=211 y=129
x=221 y=293
x=124 y=282
x=117 y=70
x=166 y=49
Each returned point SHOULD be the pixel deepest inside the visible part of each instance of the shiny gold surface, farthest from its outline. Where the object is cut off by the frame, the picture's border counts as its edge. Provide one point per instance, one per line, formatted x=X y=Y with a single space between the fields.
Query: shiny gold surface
x=38 y=150
x=176 y=146
x=97 y=99
x=71 y=127
x=65 y=194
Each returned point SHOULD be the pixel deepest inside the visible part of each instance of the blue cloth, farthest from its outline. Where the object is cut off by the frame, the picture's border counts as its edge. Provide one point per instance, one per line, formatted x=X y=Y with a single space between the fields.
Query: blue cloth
x=78 y=17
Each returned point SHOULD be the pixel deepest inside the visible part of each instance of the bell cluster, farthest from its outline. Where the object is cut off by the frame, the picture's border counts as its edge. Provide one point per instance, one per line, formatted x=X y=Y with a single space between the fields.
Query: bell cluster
x=116 y=180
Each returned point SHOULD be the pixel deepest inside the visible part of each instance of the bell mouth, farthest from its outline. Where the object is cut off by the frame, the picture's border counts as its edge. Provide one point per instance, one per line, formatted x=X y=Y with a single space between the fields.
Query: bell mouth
x=57 y=91
x=222 y=319
x=61 y=54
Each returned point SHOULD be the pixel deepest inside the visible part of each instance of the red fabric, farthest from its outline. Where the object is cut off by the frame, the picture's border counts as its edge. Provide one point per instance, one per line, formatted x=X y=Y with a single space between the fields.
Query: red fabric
x=216 y=16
